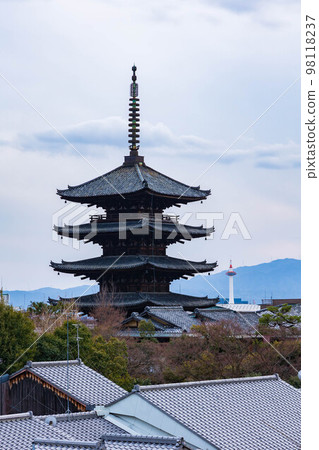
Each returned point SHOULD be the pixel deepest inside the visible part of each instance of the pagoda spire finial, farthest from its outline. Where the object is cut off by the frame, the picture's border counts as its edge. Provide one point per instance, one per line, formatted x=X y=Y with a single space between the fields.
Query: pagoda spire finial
x=134 y=123
x=134 y=120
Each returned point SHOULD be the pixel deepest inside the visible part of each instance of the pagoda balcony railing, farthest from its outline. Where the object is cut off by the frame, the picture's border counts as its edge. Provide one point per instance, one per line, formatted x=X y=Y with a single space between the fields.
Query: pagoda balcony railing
x=172 y=218
x=98 y=217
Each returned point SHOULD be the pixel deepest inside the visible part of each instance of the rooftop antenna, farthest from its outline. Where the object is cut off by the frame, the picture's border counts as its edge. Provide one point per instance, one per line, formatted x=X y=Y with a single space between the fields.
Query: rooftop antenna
x=76 y=325
x=67 y=364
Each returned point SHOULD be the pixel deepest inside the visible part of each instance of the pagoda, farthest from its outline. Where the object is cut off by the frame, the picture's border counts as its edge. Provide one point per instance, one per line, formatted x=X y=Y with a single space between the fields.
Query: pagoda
x=134 y=271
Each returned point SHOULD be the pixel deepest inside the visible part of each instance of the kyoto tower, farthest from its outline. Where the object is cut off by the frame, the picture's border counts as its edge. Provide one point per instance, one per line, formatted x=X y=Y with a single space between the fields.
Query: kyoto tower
x=231 y=273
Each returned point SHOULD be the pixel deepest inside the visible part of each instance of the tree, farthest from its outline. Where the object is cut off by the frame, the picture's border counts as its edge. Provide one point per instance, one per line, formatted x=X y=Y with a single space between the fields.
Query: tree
x=111 y=360
x=53 y=346
x=46 y=316
x=282 y=356
x=146 y=360
x=109 y=319
x=16 y=336
x=278 y=316
x=37 y=308
x=147 y=330
x=222 y=353
x=108 y=358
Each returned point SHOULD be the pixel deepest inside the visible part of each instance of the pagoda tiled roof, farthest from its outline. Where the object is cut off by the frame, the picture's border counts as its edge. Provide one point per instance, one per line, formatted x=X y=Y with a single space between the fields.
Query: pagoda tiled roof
x=91 y=230
x=132 y=179
x=114 y=263
x=144 y=299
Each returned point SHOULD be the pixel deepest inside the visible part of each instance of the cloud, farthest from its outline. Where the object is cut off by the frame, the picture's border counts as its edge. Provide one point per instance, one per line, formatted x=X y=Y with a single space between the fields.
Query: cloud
x=92 y=136
x=206 y=70
x=110 y=132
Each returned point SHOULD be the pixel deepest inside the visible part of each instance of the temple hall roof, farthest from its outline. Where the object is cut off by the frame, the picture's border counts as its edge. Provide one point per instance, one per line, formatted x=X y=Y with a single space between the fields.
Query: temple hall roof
x=176 y=315
x=247 y=320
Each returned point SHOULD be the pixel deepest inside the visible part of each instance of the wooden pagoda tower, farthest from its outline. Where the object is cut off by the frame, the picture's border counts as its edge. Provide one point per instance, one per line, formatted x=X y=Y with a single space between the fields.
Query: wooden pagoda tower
x=134 y=270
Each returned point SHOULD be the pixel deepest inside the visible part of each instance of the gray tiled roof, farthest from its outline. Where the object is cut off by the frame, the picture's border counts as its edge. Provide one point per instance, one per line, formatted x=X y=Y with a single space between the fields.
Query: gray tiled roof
x=168 y=321
x=17 y=431
x=142 y=442
x=173 y=314
x=294 y=311
x=247 y=320
x=85 y=385
x=159 y=326
x=49 y=444
x=85 y=426
x=261 y=413
x=113 y=442
x=113 y=263
x=166 y=333
x=129 y=179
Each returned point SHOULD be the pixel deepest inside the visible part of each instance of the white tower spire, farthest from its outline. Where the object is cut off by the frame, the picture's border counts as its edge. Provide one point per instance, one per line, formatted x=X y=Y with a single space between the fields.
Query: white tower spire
x=231 y=273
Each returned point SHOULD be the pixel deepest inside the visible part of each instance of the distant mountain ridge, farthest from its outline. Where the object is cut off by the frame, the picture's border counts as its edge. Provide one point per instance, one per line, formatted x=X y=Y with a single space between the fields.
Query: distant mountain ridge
x=24 y=298
x=277 y=279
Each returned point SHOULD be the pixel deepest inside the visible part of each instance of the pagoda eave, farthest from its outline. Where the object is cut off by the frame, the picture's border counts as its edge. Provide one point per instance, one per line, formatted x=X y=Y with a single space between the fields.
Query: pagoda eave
x=136 y=181
x=127 y=262
x=97 y=231
x=137 y=301
x=103 y=202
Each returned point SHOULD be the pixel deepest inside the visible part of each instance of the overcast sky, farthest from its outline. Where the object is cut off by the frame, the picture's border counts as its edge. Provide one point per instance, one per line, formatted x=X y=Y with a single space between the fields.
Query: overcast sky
x=207 y=70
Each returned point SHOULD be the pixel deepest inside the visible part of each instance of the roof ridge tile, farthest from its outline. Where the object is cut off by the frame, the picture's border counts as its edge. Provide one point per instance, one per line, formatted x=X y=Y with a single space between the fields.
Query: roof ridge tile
x=209 y=382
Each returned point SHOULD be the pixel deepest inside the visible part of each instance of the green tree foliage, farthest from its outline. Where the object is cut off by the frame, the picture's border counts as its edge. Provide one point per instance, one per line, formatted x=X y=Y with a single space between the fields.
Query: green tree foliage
x=16 y=335
x=278 y=316
x=295 y=382
x=37 y=308
x=111 y=360
x=147 y=330
x=41 y=308
x=108 y=358
x=53 y=346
